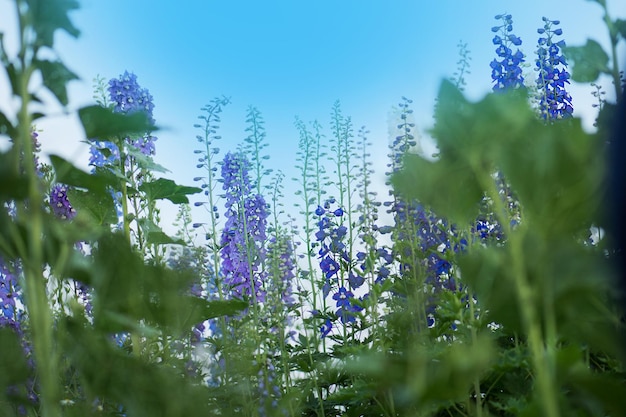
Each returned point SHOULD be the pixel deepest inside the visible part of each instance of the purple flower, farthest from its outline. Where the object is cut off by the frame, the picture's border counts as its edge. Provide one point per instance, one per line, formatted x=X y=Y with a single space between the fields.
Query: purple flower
x=281 y=255
x=128 y=97
x=60 y=204
x=103 y=153
x=244 y=232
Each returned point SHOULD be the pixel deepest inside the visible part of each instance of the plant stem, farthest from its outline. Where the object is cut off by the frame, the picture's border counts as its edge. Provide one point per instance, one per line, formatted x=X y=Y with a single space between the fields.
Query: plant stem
x=39 y=312
x=541 y=357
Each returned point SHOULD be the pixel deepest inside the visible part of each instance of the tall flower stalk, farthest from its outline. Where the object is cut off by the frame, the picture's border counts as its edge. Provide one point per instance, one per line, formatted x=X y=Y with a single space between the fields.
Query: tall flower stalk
x=554 y=101
x=506 y=70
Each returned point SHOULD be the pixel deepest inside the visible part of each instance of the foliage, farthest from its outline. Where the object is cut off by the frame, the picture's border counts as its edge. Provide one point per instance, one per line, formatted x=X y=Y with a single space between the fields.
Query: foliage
x=485 y=289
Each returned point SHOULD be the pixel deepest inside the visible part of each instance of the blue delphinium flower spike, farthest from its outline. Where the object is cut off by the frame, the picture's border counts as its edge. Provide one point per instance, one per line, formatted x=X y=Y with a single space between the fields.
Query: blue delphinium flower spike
x=554 y=101
x=506 y=71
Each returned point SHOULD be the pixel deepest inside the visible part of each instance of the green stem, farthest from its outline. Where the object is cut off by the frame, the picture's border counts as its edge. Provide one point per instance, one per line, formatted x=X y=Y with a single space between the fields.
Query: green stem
x=614 y=61
x=39 y=312
x=541 y=357
x=476 y=382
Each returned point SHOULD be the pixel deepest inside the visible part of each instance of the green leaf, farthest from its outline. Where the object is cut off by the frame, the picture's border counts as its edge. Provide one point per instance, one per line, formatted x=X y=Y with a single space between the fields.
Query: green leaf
x=156 y=236
x=556 y=171
x=6 y=127
x=96 y=207
x=12 y=186
x=587 y=61
x=148 y=389
x=48 y=16
x=487 y=271
x=620 y=27
x=163 y=188
x=103 y=123
x=144 y=161
x=68 y=174
x=55 y=77
x=222 y=308
x=469 y=137
x=452 y=190
x=13 y=367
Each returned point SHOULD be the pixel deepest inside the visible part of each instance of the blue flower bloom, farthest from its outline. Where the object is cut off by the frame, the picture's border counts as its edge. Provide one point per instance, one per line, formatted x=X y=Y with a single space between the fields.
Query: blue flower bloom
x=60 y=204
x=551 y=65
x=244 y=232
x=128 y=97
x=506 y=72
x=326 y=328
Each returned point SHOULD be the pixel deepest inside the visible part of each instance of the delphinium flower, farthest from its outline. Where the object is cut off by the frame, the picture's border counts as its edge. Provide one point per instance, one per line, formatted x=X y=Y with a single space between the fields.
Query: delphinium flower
x=60 y=204
x=103 y=153
x=423 y=242
x=311 y=178
x=9 y=294
x=12 y=316
x=333 y=253
x=244 y=231
x=458 y=78
x=554 y=101
x=254 y=144
x=127 y=97
x=281 y=262
x=506 y=70
x=269 y=390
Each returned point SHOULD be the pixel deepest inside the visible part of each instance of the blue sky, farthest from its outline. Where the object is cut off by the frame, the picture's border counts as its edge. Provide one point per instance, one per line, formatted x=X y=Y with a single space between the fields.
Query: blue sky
x=291 y=58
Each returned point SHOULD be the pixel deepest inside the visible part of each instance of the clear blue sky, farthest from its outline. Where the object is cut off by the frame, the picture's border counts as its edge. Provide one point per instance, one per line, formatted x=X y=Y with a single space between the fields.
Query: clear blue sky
x=292 y=57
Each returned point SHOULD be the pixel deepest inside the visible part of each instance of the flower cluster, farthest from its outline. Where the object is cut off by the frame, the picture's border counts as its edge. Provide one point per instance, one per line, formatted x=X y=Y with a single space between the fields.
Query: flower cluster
x=282 y=262
x=506 y=71
x=244 y=232
x=554 y=101
x=60 y=204
x=333 y=254
x=103 y=153
x=128 y=97
x=9 y=293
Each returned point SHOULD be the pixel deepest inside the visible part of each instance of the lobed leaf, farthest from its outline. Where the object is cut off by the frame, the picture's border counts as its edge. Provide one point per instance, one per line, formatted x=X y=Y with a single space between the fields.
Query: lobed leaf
x=167 y=189
x=103 y=123
x=55 y=77
x=67 y=173
x=48 y=16
x=587 y=61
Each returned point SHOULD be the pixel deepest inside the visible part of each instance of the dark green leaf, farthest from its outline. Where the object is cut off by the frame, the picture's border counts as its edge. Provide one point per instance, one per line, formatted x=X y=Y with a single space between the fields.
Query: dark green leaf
x=148 y=389
x=620 y=27
x=103 y=123
x=556 y=170
x=487 y=271
x=6 y=127
x=587 y=61
x=144 y=161
x=221 y=308
x=13 y=367
x=95 y=207
x=55 y=77
x=68 y=174
x=469 y=137
x=450 y=189
x=12 y=185
x=48 y=16
x=156 y=236
x=163 y=188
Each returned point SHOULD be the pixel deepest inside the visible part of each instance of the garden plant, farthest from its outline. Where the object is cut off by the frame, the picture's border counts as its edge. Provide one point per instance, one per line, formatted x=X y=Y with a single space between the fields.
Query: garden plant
x=482 y=285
